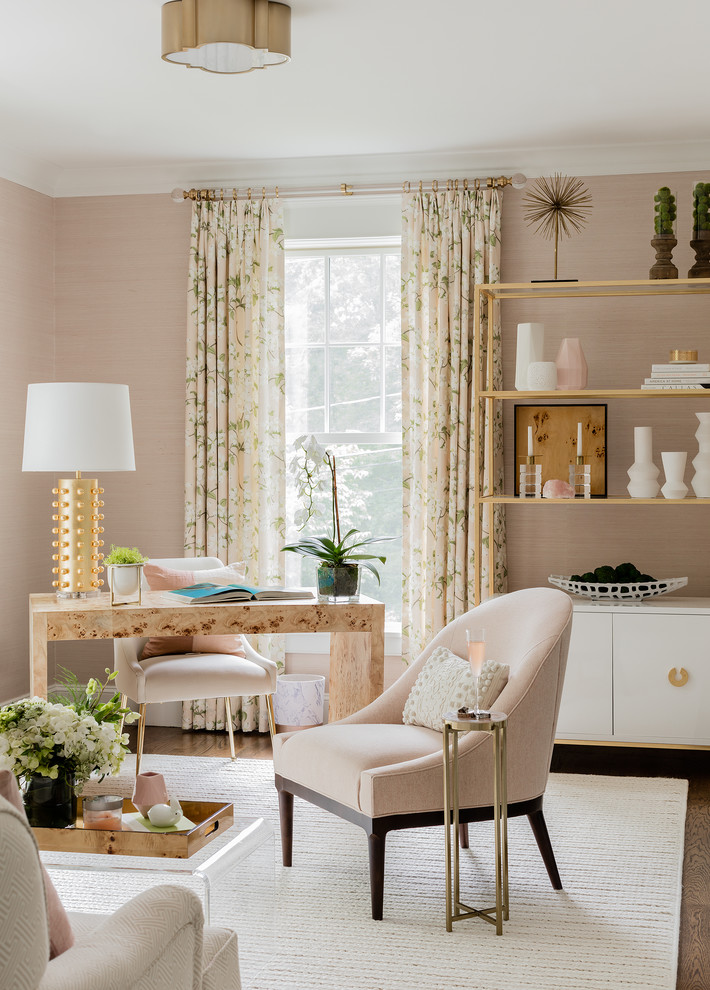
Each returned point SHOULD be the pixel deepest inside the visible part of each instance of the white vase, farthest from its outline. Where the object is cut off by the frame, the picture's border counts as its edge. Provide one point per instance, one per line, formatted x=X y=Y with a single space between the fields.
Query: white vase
x=643 y=473
x=531 y=337
x=674 y=467
x=542 y=376
x=701 y=461
x=124 y=580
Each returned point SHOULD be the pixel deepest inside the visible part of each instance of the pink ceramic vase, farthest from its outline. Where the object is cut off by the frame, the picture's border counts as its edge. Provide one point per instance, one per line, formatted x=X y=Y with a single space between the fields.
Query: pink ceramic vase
x=149 y=789
x=571 y=366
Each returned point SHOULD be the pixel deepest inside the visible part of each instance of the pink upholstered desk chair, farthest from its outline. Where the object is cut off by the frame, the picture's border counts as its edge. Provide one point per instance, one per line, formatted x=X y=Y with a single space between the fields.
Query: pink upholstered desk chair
x=373 y=770
x=186 y=677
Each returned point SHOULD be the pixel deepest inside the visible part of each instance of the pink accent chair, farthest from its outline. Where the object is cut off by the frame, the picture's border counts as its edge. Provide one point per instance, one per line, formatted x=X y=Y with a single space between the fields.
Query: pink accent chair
x=373 y=770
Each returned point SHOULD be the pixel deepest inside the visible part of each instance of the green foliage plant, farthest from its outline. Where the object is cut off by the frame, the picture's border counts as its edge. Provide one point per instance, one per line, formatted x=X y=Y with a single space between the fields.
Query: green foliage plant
x=335 y=550
x=701 y=206
x=71 y=735
x=124 y=555
x=665 y=211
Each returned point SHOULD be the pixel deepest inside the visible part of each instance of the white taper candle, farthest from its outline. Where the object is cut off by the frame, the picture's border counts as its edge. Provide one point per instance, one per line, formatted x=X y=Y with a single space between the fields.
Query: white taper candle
x=579 y=439
x=529 y=441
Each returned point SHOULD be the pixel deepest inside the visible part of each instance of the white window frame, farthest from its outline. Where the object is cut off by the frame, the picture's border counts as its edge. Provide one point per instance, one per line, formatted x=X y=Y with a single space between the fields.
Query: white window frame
x=319 y=643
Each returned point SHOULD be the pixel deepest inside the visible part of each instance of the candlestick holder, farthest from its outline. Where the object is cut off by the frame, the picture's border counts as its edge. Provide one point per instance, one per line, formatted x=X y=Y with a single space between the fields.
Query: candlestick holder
x=530 y=478
x=580 y=478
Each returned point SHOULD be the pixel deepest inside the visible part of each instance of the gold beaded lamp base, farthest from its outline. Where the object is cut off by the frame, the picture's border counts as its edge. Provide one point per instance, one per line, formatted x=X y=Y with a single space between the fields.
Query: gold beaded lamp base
x=77 y=537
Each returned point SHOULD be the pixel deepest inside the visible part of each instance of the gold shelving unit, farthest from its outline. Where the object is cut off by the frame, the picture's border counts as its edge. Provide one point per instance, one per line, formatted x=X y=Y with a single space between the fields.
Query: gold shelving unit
x=487 y=396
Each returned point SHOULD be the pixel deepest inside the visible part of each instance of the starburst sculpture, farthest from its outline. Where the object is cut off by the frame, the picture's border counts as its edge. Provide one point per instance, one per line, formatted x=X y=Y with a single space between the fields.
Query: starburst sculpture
x=558 y=203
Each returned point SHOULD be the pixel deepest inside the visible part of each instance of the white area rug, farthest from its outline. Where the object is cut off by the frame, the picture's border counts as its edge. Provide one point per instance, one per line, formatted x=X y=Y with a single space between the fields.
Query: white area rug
x=619 y=848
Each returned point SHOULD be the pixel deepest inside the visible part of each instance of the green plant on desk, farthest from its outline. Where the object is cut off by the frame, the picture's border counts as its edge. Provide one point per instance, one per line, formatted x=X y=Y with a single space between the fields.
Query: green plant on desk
x=124 y=555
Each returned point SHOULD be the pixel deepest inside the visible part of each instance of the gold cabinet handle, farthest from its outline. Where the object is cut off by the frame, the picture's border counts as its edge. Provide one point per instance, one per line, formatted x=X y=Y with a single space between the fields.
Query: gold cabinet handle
x=678 y=677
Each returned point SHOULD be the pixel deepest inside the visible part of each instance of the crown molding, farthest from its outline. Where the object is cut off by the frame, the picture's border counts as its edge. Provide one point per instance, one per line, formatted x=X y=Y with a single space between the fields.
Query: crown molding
x=368 y=169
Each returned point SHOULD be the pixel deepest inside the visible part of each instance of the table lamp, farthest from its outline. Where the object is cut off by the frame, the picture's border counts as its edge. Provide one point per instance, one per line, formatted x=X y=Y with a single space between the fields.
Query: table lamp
x=77 y=426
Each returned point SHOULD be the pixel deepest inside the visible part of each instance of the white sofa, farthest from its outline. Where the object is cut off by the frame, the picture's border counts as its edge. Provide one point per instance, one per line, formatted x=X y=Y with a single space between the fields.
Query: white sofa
x=154 y=942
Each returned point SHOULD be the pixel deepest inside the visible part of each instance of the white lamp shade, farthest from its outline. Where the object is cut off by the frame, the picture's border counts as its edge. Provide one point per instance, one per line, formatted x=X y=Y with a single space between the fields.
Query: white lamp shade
x=78 y=426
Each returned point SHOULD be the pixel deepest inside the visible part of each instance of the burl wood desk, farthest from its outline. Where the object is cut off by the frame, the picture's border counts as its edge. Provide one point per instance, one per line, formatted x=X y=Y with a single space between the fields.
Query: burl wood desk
x=357 y=633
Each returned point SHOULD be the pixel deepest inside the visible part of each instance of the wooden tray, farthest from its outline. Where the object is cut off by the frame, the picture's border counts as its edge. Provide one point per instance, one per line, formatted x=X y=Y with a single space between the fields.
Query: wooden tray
x=211 y=819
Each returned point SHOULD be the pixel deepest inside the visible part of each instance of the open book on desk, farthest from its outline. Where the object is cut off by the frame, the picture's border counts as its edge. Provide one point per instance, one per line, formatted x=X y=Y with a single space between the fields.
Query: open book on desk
x=215 y=593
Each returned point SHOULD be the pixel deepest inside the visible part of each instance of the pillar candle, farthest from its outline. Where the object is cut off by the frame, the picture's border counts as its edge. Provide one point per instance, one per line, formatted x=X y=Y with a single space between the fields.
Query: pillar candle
x=530 y=449
x=579 y=439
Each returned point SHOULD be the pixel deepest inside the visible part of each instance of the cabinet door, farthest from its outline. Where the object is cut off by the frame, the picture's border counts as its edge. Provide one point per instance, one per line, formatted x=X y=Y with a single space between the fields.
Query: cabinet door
x=586 y=710
x=647 y=707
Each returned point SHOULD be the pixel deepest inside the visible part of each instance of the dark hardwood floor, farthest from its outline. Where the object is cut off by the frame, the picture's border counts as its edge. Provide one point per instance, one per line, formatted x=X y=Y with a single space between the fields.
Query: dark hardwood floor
x=694 y=949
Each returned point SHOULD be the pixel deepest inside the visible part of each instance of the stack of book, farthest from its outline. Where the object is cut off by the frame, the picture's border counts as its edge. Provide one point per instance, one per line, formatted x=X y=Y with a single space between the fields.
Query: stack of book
x=691 y=375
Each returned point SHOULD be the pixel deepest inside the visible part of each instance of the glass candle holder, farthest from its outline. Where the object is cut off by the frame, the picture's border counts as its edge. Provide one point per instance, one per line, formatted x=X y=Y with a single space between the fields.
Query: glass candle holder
x=103 y=812
x=530 y=479
x=580 y=478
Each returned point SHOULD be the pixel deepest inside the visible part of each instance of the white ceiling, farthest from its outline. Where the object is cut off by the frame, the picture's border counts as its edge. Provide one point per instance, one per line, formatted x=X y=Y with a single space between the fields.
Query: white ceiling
x=86 y=104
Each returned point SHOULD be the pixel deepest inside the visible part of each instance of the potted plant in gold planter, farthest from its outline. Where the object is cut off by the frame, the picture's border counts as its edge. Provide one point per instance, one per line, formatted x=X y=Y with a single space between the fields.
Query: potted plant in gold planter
x=341 y=557
x=700 y=241
x=664 y=228
x=124 y=568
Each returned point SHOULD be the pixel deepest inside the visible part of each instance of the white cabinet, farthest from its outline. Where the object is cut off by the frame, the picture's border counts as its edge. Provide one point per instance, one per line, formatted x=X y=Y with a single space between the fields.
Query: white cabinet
x=617 y=687
x=586 y=707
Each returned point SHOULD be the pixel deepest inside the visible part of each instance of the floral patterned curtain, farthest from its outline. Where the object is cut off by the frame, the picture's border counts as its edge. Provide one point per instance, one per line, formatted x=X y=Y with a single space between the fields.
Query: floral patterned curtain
x=234 y=466
x=450 y=241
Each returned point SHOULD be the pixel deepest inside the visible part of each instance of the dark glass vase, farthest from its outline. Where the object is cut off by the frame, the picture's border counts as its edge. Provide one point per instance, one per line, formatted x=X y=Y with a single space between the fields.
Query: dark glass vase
x=338 y=584
x=50 y=803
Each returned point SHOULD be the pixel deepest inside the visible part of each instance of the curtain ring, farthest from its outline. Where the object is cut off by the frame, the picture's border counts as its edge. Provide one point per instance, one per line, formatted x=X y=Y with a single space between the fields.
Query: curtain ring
x=221 y=195
x=276 y=192
x=465 y=185
x=434 y=185
x=406 y=188
x=234 y=195
x=456 y=185
x=249 y=194
x=263 y=192
x=420 y=187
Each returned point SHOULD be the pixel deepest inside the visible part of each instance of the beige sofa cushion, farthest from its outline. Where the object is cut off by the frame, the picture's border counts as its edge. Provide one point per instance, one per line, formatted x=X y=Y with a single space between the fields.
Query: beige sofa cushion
x=445 y=683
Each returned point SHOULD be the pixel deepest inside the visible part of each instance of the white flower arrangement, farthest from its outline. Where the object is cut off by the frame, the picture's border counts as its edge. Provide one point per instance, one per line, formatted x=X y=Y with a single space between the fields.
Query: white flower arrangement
x=50 y=738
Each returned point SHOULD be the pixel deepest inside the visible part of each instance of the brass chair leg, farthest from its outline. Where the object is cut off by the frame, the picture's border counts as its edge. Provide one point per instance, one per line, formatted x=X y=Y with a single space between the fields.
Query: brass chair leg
x=230 y=727
x=124 y=702
x=272 y=720
x=141 y=736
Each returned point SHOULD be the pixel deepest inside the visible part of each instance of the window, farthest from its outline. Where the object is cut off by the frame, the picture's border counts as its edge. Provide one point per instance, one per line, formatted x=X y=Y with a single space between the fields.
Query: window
x=343 y=383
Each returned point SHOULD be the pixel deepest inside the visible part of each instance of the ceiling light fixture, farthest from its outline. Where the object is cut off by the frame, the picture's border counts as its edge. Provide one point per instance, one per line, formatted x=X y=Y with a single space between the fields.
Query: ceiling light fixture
x=226 y=35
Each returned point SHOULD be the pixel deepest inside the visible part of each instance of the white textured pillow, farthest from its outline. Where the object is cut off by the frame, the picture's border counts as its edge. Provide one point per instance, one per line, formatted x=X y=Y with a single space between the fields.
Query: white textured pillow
x=445 y=683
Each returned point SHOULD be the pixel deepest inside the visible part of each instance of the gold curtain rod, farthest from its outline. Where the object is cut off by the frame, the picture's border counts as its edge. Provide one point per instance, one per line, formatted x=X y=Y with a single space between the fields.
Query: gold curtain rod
x=347 y=189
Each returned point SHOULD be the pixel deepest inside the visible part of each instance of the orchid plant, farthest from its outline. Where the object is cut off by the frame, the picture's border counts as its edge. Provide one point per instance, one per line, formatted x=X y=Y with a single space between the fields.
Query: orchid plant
x=314 y=469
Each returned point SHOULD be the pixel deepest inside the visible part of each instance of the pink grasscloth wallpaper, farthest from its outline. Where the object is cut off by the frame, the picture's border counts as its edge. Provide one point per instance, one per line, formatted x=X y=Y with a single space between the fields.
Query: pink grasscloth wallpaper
x=94 y=290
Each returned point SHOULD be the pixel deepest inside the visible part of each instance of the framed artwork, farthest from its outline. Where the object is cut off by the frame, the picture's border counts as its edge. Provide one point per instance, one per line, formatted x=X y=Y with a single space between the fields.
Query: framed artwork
x=554 y=441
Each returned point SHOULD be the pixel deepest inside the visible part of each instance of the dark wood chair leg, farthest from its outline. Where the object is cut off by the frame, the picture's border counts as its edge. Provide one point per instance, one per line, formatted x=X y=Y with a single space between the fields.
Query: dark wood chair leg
x=463 y=835
x=376 y=844
x=286 y=816
x=539 y=829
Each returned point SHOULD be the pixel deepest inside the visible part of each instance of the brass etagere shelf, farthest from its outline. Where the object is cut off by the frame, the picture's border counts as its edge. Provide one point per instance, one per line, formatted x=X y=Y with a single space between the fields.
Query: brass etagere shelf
x=487 y=397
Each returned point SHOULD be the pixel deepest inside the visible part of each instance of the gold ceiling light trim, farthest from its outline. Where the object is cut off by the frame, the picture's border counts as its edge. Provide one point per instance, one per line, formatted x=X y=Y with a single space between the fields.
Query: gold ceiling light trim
x=226 y=36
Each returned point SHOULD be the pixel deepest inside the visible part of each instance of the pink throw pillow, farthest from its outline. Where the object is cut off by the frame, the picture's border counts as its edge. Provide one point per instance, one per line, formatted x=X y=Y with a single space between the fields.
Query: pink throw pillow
x=61 y=936
x=161 y=578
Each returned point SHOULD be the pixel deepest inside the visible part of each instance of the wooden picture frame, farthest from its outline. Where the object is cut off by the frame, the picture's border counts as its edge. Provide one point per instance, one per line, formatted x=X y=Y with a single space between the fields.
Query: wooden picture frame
x=555 y=441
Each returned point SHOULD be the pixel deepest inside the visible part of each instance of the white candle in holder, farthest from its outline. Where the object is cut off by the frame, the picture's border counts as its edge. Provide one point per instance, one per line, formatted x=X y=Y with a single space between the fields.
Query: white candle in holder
x=579 y=439
x=530 y=449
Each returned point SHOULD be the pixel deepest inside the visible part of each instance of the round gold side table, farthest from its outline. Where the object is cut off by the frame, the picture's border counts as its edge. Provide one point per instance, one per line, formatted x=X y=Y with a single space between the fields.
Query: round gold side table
x=454 y=724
